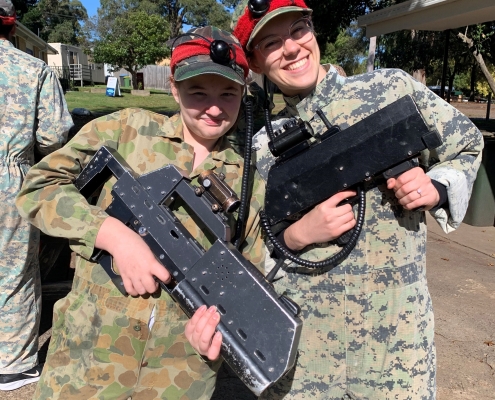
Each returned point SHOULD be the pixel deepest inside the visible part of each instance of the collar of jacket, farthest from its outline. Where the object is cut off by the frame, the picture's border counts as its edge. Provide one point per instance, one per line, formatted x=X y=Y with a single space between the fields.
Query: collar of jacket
x=222 y=151
x=321 y=95
x=6 y=43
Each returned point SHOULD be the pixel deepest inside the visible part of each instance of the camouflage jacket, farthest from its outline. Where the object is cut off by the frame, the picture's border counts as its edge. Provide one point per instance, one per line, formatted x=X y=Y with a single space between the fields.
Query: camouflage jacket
x=147 y=141
x=33 y=111
x=346 y=101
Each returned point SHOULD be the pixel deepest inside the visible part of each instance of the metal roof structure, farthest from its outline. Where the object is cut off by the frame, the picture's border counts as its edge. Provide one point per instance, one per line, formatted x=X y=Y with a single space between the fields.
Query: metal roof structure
x=428 y=15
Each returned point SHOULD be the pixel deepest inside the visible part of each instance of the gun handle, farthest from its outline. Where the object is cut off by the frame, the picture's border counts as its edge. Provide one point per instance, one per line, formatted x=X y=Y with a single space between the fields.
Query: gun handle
x=106 y=261
x=399 y=169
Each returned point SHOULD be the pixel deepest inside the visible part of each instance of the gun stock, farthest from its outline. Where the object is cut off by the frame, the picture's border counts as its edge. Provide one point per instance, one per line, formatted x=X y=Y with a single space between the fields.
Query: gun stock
x=260 y=333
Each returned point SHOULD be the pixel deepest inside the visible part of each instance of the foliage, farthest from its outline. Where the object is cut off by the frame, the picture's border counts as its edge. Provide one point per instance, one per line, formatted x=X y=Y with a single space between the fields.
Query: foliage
x=135 y=39
x=55 y=20
x=348 y=51
x=195 y=13
x=22 y=6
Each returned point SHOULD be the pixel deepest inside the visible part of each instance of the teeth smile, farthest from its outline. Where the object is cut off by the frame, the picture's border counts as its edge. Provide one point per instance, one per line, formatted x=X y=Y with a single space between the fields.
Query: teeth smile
x=297 y=64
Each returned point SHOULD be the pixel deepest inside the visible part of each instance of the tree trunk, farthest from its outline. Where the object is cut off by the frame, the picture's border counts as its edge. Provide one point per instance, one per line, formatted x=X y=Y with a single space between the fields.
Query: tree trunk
x=133 y=73
x=473 y=81
x=479 y=58
x=370 y=66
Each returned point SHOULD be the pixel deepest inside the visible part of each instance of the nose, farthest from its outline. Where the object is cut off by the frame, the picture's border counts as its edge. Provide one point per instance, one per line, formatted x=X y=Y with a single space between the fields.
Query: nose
x=290 y=46
x=214 y=109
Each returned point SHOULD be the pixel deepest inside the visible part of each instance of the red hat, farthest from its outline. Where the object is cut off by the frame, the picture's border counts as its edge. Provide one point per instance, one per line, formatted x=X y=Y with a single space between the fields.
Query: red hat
x=191 y=56
x=9 y=11
x=248 y=26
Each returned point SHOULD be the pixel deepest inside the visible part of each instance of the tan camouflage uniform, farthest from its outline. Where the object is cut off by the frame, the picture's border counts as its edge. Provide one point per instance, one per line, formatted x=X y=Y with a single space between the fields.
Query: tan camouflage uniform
x=33 y=115
x=101 y=346
x=368 y=330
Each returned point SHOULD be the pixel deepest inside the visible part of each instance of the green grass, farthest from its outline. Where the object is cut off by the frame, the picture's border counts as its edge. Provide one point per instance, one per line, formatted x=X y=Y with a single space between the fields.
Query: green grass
x=100 y=104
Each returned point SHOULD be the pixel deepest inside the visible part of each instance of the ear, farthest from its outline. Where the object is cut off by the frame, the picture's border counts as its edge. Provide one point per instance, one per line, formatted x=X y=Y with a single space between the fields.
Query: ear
x=175 y=91
x=253 y=65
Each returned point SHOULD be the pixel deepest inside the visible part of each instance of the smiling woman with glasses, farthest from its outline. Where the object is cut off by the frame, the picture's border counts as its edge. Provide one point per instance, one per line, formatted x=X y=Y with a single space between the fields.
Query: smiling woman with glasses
x=301 y=32
x=368 y=324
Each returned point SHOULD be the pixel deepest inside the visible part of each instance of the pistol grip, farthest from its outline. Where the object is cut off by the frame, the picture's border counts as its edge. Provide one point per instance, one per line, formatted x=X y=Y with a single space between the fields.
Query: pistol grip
x=106 y=261
x=399 y=169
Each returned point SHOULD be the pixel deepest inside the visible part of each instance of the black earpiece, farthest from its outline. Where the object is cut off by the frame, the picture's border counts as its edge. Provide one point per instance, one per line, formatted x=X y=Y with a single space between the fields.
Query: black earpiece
x=220 y=52
x=258 y=7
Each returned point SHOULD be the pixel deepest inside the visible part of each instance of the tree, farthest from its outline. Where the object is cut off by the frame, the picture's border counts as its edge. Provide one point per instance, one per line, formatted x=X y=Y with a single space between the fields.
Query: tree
x=136 y=39
x=195 y=13
x=22 y=6
x=477 y=47
x=56 y=20
x=348 y=51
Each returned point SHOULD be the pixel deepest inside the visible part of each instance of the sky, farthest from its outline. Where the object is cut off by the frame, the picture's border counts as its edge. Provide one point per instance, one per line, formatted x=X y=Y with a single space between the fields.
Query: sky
x=91 y=6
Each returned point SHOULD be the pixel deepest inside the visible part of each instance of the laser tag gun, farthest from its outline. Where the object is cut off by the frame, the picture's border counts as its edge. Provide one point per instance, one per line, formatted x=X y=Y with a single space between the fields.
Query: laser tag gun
x=260 y=329
x=311 y=167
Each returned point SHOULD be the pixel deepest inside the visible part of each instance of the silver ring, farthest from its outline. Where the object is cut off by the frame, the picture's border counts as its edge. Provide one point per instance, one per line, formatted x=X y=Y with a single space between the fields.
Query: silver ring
x=419 y=192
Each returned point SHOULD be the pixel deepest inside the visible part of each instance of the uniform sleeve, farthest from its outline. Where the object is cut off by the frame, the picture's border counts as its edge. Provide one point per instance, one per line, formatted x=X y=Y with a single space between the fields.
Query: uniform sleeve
x=53 y=117
x=48 y=198
x=455 y=163
x=253 y=247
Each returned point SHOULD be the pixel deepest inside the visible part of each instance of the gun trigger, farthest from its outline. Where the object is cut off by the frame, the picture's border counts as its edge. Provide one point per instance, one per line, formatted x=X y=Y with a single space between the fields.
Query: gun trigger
x=106 y=261
x=291 y=305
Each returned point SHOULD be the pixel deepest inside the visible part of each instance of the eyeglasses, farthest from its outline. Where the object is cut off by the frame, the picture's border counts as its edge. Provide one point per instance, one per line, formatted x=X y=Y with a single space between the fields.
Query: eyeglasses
x=301 y=32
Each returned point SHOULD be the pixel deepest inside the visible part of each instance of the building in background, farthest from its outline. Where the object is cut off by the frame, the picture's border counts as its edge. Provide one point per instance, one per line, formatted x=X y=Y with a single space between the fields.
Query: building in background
x=30 y=43
x=73 y=64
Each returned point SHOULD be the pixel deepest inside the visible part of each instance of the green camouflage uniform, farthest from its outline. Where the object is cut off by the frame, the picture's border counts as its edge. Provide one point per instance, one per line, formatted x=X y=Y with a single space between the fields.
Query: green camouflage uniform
x=101 y=345
x=368 y=329
x=33 y=116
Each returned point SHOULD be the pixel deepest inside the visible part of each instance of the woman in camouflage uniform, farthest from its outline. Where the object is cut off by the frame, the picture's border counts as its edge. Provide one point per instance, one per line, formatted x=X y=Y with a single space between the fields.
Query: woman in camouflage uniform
x=368 y=329
x=106 y=345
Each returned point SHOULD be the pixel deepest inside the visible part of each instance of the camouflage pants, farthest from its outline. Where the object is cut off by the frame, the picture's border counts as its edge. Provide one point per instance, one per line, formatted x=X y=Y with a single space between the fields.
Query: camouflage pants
x=367 y=334
x=20 y=288
x=102 y=348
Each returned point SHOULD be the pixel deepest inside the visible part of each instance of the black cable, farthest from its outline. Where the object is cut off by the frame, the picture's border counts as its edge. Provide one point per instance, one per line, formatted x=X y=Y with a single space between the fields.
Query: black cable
x=315 y=266
x=267 y=111
x=245 y=195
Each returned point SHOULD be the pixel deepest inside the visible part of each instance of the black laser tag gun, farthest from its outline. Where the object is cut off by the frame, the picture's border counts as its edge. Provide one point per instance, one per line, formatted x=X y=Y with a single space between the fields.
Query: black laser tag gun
x=311 y=167
x=260 y=329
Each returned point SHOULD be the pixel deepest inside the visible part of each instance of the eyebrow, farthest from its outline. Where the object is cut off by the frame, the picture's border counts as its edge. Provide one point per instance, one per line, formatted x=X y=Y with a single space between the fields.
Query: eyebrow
x=199 y=87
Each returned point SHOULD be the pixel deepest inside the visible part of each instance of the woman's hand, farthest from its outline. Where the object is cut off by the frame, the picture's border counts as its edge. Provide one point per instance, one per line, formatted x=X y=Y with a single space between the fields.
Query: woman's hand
x=327 y=221
x=133 y=258
x=414 y=189
x=200 y=331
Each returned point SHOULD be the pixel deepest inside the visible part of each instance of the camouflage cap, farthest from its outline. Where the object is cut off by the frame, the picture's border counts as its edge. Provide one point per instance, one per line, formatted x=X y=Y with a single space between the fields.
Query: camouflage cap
x=191 y=55
x=8 y=7
x=245 y=26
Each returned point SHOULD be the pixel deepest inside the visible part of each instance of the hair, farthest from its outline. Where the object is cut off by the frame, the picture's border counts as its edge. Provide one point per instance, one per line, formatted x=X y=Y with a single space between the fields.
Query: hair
x=5 y=30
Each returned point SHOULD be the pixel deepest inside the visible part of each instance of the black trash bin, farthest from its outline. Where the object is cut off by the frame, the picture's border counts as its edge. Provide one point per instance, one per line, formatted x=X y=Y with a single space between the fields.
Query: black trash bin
x=481 y=209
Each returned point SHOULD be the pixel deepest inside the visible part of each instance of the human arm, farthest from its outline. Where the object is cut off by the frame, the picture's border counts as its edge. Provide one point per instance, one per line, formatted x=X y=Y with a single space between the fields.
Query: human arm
x=53 y=120
x=136 y=263
x=454 y=164
x=325 y=222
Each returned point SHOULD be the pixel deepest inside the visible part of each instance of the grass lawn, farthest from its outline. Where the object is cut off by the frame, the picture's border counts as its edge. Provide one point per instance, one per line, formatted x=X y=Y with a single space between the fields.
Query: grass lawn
x=100 y=104
x=163 y=103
